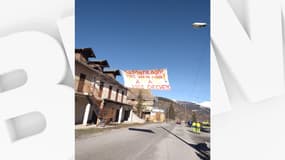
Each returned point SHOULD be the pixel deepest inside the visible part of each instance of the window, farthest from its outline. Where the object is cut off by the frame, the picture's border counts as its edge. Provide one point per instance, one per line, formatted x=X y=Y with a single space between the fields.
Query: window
x=110 y=92
x=101 y=87
x=97 y=68
x=93 y=85
x=81 y=82
x=117 y=94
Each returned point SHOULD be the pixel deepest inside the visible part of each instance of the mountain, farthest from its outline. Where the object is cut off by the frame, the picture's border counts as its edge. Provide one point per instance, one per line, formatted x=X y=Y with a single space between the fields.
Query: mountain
x=133 y=93
x=183 y=110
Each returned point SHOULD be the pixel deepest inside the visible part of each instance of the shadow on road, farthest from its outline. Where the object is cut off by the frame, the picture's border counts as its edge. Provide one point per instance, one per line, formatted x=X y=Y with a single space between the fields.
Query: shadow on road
x=203 y=151
x=142 y=130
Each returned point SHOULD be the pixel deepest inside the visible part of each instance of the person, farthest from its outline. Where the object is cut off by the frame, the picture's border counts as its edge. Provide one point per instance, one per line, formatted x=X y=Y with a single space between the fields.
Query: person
x=198 y=127
x=190 y=123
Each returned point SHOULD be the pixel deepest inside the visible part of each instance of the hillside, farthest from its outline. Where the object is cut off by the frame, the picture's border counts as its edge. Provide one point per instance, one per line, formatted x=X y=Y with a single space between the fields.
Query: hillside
x=146 y=94
x=182 y=107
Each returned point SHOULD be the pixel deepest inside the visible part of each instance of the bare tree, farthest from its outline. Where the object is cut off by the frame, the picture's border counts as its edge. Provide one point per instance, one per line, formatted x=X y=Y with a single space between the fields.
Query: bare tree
x=139 y=105
x=194 y=117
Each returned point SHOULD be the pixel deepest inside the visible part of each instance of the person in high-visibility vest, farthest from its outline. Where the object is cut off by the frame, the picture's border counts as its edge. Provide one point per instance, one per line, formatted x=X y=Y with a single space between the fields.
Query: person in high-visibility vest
x=194 y=127
x=198 y=127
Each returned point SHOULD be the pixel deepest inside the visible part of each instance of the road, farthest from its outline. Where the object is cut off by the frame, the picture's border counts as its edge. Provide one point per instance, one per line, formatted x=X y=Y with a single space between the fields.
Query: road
x=147 y=142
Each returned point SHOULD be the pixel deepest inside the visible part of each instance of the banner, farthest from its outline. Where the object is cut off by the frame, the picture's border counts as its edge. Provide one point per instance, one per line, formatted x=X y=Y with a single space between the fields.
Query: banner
x=146 y=79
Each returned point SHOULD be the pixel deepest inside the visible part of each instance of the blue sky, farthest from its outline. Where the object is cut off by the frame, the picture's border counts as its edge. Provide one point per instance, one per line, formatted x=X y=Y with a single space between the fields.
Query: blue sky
x=151 y=34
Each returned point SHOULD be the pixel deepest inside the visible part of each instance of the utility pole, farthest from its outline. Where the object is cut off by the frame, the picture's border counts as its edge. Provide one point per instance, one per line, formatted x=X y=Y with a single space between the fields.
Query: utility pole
x=184 y=112
x=168 y=113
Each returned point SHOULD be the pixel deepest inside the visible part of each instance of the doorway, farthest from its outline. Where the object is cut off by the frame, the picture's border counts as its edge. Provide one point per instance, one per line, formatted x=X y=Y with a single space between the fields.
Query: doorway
x=93 y=119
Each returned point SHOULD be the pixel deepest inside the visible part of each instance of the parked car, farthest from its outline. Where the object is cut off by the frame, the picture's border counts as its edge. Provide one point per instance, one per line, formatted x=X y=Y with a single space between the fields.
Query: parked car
x=205 y=127
x=178 y=122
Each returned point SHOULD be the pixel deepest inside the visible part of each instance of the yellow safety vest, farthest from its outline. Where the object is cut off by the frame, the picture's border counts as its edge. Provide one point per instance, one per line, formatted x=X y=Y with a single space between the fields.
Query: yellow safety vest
x=198 y=125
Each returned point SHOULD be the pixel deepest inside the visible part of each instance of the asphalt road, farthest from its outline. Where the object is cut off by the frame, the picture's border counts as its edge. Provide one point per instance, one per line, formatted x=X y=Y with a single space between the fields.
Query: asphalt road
x=147 y=142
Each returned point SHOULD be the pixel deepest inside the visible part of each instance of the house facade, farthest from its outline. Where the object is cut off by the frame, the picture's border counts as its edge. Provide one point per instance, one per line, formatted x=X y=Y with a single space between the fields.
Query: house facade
x=149 y=110
x=99 y=97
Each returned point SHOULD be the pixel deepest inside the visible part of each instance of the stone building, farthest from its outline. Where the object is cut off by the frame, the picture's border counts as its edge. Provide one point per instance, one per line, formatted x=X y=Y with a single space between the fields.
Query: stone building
x=99 y=97
x=149 y=110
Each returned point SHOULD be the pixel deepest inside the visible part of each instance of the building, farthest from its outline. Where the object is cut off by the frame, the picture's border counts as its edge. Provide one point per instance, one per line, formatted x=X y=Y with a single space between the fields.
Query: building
x=156 y=115
x=149 y=111
x=99 y=97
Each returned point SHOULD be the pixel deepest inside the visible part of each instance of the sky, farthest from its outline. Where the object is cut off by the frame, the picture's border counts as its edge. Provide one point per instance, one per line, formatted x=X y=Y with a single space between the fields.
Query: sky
x=151 y=34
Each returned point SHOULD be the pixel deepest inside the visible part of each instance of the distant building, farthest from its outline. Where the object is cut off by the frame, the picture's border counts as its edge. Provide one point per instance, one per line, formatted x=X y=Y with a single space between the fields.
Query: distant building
x=157 y=115
x=149 y=110
x=99 y=97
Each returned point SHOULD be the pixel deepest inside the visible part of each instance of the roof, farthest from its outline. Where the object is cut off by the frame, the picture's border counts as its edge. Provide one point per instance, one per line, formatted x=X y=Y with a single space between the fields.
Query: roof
x=157 y=110
x=115 y=72
x=103 y=63
x=102 y=75
x=87 y=52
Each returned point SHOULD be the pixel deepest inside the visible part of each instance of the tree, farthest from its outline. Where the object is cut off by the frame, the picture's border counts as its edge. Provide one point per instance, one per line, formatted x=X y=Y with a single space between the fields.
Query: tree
x=194 y=117
x=171 y=112
x=139 y=105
